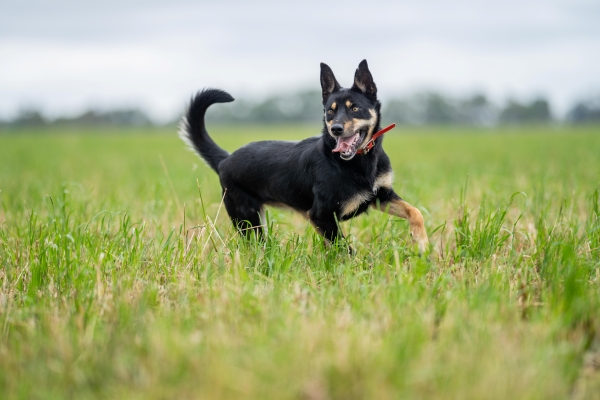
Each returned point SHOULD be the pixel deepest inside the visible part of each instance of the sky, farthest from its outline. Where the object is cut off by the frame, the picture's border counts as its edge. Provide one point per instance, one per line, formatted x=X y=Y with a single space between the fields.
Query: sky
x=65 y=57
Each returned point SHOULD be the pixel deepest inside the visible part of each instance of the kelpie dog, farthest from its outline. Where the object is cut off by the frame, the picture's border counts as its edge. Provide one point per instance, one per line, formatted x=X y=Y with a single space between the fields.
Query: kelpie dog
x=329 y=178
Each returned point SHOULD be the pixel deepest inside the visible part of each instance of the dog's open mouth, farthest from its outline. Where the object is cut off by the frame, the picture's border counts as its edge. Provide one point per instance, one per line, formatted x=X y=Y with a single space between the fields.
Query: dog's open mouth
x=347 y=147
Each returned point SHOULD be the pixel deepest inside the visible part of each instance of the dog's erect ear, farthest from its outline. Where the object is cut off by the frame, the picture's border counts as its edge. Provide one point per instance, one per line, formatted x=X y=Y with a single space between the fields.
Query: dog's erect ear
x=328 y=82
x=363 y=81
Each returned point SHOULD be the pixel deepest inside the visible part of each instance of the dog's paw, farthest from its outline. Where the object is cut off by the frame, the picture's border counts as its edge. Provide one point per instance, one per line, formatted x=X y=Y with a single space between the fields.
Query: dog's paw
x=423 y=244
x=420 y=238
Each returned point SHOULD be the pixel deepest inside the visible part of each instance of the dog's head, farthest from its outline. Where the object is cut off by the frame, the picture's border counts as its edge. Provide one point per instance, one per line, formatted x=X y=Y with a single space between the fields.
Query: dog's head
x=351 y=115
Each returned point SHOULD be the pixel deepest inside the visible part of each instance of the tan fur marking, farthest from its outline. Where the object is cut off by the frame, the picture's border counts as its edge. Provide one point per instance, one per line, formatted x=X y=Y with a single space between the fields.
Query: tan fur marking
x=334 y=105
x=372 y=121
x=371 y=127
x=351 y=205
x=385 y=180
x=348 y=103
x=329 y=124
x=402 y=209
x=373 y=116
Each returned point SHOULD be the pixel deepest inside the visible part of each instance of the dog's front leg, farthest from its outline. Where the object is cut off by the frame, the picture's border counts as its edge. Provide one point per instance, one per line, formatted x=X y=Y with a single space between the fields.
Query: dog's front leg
x=326 y=228
x=325 y=224
x=388 y=201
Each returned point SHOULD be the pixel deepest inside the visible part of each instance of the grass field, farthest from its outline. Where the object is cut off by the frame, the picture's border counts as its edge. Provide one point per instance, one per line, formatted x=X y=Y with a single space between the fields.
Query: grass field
x=121 y=277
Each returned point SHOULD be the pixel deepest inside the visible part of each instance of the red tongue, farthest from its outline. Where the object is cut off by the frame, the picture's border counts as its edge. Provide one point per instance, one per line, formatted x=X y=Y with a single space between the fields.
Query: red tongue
x=343 y=144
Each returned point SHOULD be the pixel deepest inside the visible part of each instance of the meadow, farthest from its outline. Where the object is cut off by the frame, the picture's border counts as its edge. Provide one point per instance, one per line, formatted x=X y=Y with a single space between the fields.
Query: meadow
x=122 y=277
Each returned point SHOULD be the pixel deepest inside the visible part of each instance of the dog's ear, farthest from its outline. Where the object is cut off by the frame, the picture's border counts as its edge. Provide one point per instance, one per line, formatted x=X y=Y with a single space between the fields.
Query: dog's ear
x=328 y=82
x=363 y=81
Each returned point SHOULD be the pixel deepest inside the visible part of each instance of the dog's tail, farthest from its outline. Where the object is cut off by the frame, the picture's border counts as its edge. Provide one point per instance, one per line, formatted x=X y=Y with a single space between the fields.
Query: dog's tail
x=193 y=131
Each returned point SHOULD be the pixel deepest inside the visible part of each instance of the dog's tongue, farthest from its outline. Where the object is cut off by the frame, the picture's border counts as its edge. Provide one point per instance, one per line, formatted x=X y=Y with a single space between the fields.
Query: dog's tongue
x=343 y=144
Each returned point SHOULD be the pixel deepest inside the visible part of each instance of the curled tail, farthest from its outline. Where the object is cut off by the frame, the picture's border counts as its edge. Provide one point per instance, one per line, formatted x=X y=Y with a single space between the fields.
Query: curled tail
x=193 y=131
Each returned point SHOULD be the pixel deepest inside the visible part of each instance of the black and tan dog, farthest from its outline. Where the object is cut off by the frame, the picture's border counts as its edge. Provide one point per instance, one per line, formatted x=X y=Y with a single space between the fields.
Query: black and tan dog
x=328 y=178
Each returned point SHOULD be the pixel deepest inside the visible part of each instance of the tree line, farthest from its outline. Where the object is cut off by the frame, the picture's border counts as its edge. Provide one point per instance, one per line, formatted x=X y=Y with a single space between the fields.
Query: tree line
x=423 y=108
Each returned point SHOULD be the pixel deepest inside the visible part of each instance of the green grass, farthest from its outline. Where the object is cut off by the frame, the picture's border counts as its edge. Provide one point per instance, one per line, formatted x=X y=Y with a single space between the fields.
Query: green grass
x=121 y=277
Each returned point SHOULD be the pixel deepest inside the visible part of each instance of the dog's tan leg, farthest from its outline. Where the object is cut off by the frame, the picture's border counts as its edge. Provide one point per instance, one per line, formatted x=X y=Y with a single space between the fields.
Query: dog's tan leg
x=402 y=209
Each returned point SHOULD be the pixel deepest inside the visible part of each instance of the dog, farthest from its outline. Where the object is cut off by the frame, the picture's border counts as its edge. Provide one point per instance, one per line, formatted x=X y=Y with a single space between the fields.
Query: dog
x=328 y=178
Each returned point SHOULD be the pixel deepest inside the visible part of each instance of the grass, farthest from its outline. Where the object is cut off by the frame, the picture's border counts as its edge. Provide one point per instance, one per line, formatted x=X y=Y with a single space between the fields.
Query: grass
x=121 y=277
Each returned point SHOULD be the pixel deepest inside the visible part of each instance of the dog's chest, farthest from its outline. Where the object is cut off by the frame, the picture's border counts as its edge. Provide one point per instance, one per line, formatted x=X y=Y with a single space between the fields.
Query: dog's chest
x=359 y=201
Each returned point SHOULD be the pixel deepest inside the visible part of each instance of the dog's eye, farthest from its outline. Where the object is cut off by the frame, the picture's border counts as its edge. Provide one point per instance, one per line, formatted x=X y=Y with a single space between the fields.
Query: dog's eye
x=330 y=112
x=355 y=109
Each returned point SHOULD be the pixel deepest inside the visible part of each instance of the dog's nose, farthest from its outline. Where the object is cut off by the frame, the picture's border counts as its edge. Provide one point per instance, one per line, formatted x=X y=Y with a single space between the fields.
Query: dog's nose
x=337 y=129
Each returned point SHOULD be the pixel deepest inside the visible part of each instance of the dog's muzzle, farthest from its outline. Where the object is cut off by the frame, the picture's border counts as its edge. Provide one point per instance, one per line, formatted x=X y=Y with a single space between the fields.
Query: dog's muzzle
x=348 y=146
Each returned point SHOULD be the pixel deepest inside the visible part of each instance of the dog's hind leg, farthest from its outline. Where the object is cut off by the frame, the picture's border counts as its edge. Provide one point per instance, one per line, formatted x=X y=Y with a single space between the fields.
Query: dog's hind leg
x=245 y=211
x=388 y=201
x=248 y=225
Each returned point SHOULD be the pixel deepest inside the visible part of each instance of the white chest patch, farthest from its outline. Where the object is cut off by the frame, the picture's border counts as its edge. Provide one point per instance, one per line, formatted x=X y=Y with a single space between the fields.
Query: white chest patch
x=351 y=205
x=385 y=180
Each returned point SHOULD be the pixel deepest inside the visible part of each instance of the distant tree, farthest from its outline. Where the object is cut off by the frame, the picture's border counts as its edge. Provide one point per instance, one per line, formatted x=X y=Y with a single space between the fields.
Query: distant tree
x=29 y=117
x=312 y=107
x=270 y=110
x=439 y=110
x=422 y=108
x=130 y=117
x=302 y=107
x=537 y=111
x=477 y=110
x=401 y=111
x=133 y=117
x=540 y=110
x=585 y=111
x=435 y=108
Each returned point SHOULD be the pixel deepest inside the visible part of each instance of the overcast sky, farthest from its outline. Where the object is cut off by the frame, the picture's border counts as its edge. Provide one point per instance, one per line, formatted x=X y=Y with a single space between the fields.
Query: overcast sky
x=67 y=56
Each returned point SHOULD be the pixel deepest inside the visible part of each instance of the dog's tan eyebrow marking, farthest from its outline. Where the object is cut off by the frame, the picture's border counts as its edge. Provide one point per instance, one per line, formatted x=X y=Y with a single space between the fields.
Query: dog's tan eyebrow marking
x=333 y=105
x=385 y=180
x=351 y=205
x=348 y=103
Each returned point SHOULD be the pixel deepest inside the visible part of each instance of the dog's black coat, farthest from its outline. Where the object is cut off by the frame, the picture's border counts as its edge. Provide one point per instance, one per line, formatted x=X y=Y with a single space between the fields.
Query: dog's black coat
x=306 y=176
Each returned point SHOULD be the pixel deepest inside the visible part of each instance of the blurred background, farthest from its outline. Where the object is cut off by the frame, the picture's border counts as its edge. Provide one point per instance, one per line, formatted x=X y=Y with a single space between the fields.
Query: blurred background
x=133 y=62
